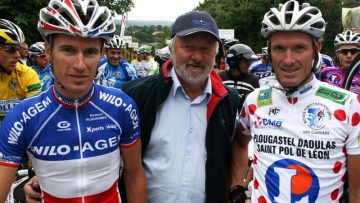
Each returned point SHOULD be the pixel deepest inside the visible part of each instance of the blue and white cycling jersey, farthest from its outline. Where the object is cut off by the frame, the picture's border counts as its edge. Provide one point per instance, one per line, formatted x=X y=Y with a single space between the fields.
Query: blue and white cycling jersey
x=112 y=76
x=45 y=76
x=73 y=145
x=261 y=70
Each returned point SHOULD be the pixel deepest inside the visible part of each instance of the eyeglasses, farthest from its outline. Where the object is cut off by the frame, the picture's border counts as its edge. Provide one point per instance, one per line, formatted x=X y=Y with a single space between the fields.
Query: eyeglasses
x=41 y=56
x=346 y=51
x=10 y=48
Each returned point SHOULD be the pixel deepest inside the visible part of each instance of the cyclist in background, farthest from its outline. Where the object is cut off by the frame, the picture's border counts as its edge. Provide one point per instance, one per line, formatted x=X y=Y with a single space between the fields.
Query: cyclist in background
x=226 y=44
x=305 y=132
x=17 y=81
x=239 y=57
x=145 y=64
x=114 y=70
x=347 y=47
x=162 y=56
x=75 y=131
x=262 y=68
x=41 y=64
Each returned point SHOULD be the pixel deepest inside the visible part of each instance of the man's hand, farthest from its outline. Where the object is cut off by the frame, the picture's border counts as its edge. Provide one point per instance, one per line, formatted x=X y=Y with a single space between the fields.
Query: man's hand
x=237 y=194
x=32 y=191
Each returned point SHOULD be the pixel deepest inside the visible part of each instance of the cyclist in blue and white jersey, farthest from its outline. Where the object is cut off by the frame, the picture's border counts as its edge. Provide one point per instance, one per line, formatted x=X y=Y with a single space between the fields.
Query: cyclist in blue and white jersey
x=41 y=64
x=114 y=70
x=305 y=132
x=262 y=68
x=75 y=131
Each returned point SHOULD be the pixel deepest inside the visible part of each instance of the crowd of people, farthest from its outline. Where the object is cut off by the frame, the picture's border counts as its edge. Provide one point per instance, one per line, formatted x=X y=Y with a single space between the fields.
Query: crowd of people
x=205 y=119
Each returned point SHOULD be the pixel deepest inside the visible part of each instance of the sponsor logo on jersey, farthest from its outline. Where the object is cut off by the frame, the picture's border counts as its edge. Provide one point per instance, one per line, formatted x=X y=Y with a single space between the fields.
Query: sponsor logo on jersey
x=63 y=150
x=95 y=117
x=118 y=102
x=26 y=115
x=264 y=98
x=273 y=111
x=316 y=116
x=63 y=126
x=333 y=95
x=334 y=78
x=288 y=180
x=267 y=123
x=306 y=89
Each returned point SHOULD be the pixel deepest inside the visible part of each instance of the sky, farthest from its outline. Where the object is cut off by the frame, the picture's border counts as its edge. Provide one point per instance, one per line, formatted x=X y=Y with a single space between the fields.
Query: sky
x=166 y=10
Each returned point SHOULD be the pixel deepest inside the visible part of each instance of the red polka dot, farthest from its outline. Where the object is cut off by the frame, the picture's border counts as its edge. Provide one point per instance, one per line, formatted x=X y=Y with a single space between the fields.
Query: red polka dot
x=243 y=114
x=337 y=167
x=255 y=159
x=262 y=199
x=256 y=184
x=295 y=100
x=358 y=98
x=252 y=109
x=355 y=119
x=289 y=100
x=344 y=150
x=334 y=194
x=340 y=114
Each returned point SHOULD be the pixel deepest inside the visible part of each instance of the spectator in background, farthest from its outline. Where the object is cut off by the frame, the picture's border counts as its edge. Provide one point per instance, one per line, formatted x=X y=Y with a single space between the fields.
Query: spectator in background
x=24 y=54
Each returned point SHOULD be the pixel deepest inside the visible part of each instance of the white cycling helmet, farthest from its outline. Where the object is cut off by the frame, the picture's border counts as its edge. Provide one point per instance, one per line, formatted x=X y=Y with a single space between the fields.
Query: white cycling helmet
x=347 y=37
x=292 y=17
x=10 y=32
x=114 y=43
x=37 y=49
x=84 y=18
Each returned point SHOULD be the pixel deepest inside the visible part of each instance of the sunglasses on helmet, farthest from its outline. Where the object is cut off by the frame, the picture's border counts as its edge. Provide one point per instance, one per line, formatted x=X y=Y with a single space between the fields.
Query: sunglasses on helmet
x=10 y=48
x=352 y=51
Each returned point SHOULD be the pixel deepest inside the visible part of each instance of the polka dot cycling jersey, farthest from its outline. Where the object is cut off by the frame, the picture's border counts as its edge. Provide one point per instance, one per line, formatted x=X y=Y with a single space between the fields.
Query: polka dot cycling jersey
x=73 y=145
x=301 y=141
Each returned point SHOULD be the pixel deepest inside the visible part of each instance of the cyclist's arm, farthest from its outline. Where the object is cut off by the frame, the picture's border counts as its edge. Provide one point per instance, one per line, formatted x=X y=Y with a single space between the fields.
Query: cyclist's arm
x=134 y=176
x=7 y=175
x=354 y=177
x=239 y=159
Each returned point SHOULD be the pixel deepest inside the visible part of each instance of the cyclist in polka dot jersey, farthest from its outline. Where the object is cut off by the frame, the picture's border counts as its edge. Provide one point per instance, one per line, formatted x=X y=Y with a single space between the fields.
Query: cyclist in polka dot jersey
x=305 y=132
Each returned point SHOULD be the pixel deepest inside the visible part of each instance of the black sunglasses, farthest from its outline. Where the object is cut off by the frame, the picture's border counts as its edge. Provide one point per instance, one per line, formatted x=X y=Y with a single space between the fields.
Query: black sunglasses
x=346 y=51
x=10 y=48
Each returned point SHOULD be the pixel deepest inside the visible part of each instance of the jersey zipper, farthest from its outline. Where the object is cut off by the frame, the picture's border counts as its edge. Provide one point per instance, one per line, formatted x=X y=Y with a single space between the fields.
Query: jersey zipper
x=76 y=103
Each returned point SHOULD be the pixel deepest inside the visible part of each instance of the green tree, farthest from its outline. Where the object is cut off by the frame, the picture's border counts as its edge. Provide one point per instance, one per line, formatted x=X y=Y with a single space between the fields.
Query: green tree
x=245 y=17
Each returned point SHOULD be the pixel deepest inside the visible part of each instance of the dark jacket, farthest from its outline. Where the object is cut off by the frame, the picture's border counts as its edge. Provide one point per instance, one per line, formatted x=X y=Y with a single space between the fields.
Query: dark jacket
x=149 y=93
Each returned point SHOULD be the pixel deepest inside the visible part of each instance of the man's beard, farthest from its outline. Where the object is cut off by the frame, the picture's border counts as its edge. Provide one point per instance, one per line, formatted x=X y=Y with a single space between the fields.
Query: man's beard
x=193 y=79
